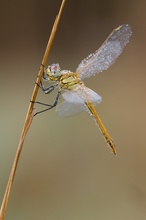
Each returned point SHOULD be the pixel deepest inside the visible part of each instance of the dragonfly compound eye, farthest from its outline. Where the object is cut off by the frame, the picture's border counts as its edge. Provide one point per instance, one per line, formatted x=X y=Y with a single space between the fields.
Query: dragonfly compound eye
x=54 y=70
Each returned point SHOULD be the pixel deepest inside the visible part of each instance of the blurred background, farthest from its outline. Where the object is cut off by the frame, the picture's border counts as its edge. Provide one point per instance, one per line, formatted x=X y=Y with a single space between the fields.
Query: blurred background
x=66 y=171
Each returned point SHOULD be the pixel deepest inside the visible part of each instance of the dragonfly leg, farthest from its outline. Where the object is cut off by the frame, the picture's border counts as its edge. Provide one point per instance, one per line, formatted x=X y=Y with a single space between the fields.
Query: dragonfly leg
x=46 y=90
x=49 y=106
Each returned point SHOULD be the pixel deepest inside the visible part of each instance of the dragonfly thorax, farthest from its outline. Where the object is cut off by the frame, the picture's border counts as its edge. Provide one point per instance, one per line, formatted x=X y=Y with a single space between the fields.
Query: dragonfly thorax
x=69 y=80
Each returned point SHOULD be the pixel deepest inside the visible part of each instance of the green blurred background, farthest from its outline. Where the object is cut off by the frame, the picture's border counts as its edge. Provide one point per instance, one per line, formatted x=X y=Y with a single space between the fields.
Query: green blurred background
x=66 y=171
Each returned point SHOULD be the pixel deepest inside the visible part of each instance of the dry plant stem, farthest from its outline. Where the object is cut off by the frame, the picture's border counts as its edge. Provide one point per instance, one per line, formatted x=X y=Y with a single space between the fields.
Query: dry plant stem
x=29 y=116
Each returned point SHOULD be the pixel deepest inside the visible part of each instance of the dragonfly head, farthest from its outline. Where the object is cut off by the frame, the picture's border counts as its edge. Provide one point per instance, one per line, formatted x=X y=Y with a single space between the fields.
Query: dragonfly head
x=53 y=72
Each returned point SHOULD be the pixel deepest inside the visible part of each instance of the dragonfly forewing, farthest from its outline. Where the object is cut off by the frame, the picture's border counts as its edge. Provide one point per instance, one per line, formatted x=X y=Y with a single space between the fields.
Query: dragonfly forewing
x=106 y=55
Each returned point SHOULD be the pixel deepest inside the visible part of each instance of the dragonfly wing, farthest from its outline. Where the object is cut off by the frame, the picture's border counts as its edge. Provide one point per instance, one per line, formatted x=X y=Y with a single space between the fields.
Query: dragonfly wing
x=66 y=109
x=88 y=95
x=106 y=55
x=81 y=94
x=75 y=101
x=72 y=105
x=73 y=96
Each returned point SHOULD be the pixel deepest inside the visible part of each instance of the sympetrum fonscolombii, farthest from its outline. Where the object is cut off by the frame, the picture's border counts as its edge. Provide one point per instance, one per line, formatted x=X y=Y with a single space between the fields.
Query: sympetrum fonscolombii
x=77 y=97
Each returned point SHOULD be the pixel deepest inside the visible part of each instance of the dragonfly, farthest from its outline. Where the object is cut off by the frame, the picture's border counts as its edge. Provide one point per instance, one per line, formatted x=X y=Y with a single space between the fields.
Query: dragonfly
x=77 y=97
